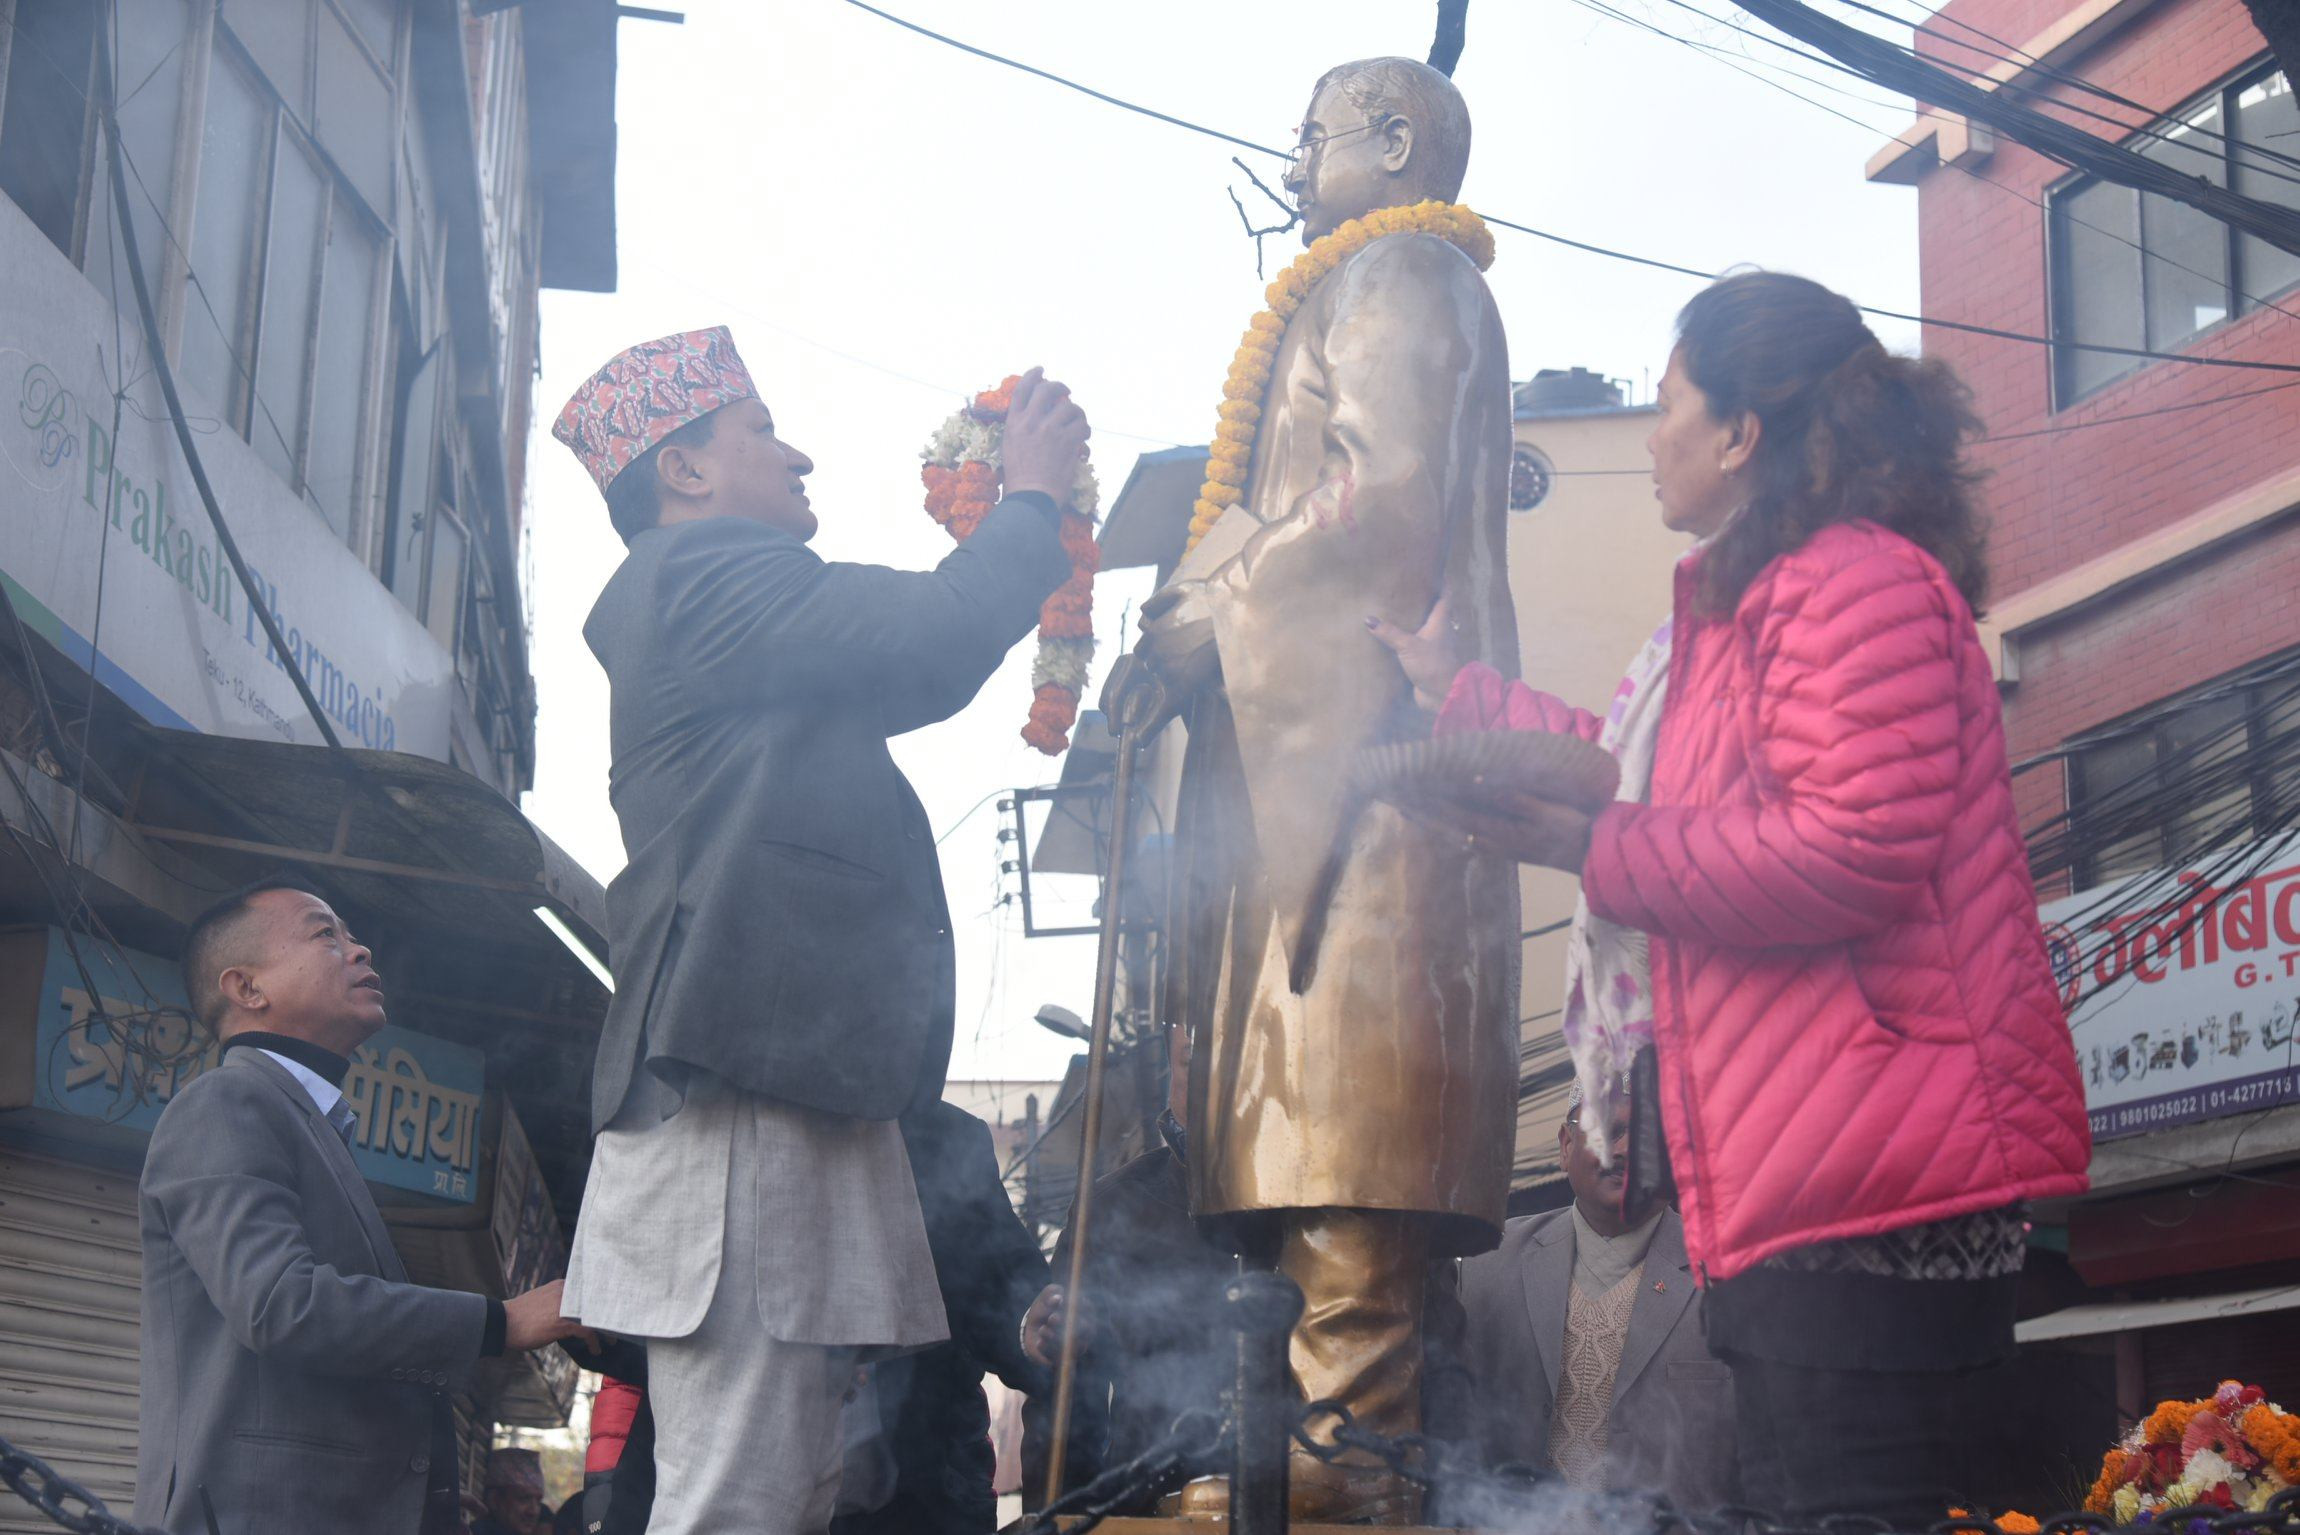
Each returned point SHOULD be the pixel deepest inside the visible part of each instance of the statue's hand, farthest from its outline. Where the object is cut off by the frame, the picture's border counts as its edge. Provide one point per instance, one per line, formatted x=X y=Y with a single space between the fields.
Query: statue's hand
x=1178 y=642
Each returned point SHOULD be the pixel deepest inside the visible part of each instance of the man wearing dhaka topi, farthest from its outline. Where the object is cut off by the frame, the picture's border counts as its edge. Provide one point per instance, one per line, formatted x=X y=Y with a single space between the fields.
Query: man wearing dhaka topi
x=782 y=953
x=1349 y=975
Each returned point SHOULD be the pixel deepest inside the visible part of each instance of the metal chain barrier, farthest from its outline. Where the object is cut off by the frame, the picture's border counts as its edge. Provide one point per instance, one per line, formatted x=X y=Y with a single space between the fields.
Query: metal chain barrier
x=1441 y=1469
x=1196 y=1436
x=57 y=1495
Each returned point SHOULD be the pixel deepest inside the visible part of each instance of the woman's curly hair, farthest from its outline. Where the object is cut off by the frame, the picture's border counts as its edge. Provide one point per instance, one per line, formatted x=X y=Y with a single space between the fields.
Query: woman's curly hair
x=1850 y=431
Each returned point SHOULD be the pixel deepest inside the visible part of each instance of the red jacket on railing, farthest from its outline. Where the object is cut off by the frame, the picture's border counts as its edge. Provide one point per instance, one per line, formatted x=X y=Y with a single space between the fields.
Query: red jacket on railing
x=1855 y=1021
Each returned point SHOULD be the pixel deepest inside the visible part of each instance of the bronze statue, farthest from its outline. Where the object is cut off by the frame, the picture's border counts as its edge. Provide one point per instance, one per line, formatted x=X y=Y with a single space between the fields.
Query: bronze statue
x=1349 y=975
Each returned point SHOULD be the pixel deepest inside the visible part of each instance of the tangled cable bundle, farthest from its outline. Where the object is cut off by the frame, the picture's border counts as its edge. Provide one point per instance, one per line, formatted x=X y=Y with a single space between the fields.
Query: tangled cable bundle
x=961 y=472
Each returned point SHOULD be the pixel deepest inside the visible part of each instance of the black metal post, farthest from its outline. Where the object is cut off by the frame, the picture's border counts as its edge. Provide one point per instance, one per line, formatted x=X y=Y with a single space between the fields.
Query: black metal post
x=1262 y=1311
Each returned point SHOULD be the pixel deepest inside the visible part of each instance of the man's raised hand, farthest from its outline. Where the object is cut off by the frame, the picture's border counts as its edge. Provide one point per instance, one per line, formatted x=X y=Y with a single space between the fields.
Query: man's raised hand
x=1046 y=434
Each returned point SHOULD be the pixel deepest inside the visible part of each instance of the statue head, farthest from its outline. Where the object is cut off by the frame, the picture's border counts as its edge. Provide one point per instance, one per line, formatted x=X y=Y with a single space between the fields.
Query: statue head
x=1380 y=133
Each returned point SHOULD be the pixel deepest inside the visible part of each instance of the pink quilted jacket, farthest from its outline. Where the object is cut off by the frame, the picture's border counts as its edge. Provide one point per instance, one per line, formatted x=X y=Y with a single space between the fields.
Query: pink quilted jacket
x=1856 y=1024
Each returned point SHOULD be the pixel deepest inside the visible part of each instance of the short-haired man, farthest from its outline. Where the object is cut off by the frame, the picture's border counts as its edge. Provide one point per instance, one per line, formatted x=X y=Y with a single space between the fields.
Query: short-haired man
x=1582 y=1344
x=293 y=1380
x=782 y=951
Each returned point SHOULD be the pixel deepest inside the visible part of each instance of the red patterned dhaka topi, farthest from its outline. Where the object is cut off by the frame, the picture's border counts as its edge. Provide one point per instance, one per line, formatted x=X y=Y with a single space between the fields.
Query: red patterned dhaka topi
x=647 y=392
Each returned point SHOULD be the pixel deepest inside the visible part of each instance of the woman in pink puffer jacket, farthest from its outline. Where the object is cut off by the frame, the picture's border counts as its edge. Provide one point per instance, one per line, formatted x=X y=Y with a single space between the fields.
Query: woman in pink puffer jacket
x=1813 y=899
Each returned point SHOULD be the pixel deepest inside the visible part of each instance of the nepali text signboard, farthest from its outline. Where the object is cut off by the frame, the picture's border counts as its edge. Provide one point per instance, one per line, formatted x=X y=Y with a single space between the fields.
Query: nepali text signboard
x=121 y=1055
x=2182 y=991
x=180 y=642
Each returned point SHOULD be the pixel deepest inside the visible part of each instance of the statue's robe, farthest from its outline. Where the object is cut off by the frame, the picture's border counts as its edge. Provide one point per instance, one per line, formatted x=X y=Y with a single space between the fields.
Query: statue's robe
x=1379 y=480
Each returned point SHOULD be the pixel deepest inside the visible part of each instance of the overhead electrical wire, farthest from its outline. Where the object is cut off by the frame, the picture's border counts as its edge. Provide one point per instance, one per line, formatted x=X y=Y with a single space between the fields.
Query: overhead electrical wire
x=2028 y=62
x=1891 y=65
x=1717 y=54
x=1965 y=327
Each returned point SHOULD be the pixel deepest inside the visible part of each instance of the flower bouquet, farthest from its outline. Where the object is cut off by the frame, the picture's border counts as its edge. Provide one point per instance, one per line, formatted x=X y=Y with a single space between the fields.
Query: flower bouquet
x=961 y=472
x=2233 y=1450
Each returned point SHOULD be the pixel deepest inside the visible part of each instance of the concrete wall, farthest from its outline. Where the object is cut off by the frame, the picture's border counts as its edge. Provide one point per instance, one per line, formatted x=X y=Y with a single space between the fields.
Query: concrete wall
x=1590 y=569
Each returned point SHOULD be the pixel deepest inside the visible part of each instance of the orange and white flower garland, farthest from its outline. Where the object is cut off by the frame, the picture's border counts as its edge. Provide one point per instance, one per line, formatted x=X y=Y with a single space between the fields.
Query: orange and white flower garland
x=961 y=474
x=1257 y=353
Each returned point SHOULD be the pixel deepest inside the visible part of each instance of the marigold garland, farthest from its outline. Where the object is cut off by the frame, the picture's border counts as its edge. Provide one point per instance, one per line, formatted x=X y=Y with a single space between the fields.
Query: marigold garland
x=961 y=472
x=1249 y=377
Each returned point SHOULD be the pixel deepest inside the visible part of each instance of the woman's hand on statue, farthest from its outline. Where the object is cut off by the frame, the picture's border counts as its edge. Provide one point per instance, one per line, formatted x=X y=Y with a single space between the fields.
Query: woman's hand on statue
x=1427 y=654
x=1045 y=437
x=1042 y=1328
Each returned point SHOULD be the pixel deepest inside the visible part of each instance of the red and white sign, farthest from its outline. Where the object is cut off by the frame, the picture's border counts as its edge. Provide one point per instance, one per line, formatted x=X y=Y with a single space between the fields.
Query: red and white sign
x=2184 y=986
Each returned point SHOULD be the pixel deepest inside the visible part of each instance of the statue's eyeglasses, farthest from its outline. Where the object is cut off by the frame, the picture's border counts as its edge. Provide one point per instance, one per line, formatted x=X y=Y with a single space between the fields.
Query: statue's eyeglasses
x=1301 y=150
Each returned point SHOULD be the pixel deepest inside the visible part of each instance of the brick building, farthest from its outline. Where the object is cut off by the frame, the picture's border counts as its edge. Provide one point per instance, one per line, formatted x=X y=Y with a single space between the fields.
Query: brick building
x=2146 y=621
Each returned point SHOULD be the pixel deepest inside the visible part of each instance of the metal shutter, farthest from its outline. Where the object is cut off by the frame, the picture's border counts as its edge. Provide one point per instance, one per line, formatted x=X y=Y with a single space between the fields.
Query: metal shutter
x=71 y=1279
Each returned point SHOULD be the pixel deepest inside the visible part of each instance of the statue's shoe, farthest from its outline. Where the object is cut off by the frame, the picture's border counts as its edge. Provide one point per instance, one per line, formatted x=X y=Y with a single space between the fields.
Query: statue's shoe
x=1330 y=1494
x=1205 y=1497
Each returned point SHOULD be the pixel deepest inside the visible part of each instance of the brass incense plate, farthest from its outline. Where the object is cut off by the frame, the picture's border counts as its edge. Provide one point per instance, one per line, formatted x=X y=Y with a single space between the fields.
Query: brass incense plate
x=1493 y=770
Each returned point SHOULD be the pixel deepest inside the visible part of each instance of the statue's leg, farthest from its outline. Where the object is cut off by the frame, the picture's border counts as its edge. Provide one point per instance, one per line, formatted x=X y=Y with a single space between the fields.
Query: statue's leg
x=1359 y=1343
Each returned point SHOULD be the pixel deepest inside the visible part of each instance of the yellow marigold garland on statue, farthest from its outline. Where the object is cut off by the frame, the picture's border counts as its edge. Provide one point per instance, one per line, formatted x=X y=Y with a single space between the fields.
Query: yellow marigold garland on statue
x=1249 y=379
x=961 y=471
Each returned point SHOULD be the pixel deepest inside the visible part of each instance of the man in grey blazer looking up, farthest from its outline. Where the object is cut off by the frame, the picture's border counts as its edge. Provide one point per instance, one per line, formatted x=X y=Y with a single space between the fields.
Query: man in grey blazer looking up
x=293 y=1380
x=781 y=947
x=1582 y=1343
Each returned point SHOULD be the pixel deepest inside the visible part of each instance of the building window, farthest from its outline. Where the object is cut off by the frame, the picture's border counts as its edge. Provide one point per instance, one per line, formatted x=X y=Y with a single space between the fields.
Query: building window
x=1530 y=477
x=2137 y=270
x=2218 y=767
x=289 y=241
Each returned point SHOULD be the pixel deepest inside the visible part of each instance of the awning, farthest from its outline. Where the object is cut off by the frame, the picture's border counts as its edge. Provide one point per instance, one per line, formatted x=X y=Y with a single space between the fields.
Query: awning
x=2134 y=1316
x=1149 y=520
x=436 y=870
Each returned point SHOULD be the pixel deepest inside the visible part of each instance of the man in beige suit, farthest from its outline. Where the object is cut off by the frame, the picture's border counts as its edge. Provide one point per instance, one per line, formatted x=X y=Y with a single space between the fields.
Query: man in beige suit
x=1349 y=975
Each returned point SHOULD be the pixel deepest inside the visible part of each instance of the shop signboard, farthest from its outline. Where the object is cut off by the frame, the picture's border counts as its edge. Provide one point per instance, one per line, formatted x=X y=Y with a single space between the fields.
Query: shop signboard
x=2182 y=987
x=120 y=1055
x=102 y=524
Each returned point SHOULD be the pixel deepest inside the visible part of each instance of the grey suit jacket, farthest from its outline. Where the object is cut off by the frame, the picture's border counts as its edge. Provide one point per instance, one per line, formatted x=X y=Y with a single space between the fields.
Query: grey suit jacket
x=288 y=1366
x=1671 y=1428
x=781 y=922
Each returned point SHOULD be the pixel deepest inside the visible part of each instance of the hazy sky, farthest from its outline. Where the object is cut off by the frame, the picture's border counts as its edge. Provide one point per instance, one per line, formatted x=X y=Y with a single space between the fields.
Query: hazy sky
x=888 y=223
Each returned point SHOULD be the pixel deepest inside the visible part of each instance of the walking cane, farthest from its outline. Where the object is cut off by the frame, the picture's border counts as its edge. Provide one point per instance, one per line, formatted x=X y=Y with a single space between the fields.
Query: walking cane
x=1139 y=697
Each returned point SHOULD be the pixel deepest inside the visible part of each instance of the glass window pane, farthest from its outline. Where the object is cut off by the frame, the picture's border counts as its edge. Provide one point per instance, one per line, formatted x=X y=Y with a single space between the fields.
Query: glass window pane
x=444 y=601
x=2187 y=249
x=418 y=478
x=2096 y=297
x=2280 y=745
x=2206 y=775
x=291 y=287
x=277 y=34
x=339 y=391
x=378 y=23
x=2267 y=115
x=45 y=128
x=219 y=308
x=151 y=70
x=355 y=114
x=2113 y=784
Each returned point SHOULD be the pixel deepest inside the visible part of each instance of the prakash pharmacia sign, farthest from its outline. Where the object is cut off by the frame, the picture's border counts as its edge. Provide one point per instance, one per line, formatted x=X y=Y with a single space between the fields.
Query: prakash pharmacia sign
x=2183 y=985
x=106 y=549
x=120 y=1054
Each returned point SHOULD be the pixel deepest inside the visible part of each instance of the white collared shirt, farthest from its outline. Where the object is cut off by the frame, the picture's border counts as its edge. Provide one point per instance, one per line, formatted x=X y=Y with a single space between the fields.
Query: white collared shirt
x=325 y=1095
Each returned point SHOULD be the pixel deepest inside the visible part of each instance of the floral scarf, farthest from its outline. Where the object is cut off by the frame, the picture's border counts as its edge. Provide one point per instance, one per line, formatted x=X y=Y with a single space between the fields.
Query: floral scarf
x=1608 y=975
